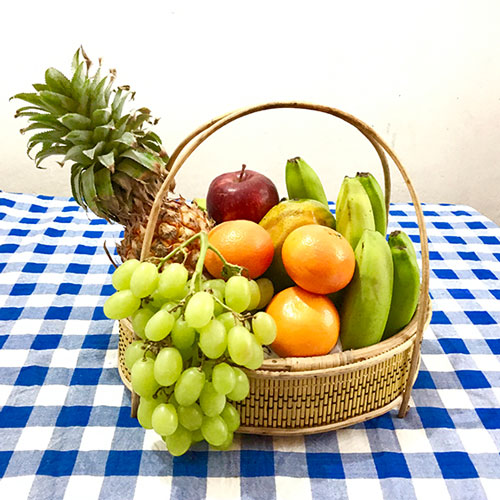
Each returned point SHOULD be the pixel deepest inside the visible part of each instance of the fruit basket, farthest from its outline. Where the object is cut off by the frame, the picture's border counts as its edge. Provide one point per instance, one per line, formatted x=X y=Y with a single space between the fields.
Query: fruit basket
x=316 y=394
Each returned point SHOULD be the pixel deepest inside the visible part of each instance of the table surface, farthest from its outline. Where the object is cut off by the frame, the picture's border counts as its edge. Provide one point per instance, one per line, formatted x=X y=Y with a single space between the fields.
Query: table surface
x=65 y=426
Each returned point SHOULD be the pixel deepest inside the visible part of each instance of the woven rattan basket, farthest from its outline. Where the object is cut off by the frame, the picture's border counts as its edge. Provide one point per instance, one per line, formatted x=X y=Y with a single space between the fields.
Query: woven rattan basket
x=309 y=395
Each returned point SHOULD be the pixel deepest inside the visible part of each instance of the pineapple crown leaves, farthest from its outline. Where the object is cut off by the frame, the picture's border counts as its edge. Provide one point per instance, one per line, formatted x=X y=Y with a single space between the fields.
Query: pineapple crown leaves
x=82 y=119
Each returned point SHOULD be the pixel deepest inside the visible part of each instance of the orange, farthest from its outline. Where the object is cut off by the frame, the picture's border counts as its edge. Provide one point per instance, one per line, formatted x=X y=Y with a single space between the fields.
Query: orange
x=307 y=323
x=241 y=242
x=318 y=258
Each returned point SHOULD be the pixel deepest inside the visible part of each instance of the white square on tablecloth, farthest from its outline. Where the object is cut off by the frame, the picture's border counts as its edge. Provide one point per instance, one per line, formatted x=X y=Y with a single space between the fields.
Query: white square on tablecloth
x=148 y=487
x=111 y=358
x=353 y=441
x=87 y=300
x=16 y=487
x=153 y=442
x=5 y=391
x=13 y=358
x=108 y=395
x=413 y=441
x=26 y=327
x=437 y=363
x=477 y=441
x=429 y=488
x=496 y=392
x=225 y=488
x=468 y=332
x=486 y=362
x=491 y=486
x=293 y=487
x=34 y=438
x=76 y=327
x=51 y=395
x=41 y=299
x=97 y=438
x=448 y=305
x=359 y=489
x=83 y=487
x=289 y=443
x=64 y=358
x=455 y=398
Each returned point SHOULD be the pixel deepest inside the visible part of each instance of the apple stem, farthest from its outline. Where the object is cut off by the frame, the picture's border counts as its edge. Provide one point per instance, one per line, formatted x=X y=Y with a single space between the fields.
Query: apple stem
x=242 y=173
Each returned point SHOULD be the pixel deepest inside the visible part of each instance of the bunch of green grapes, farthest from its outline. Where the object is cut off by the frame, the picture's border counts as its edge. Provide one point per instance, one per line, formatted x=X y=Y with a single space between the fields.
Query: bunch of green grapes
x=194 y=335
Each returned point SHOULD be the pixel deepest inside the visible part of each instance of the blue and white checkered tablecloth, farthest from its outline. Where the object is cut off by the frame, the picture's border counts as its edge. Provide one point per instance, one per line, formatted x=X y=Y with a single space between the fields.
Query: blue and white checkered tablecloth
x=65 y=426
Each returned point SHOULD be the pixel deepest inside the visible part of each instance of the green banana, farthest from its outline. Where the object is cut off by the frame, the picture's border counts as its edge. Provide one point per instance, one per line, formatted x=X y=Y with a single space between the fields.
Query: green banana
x=406 y=288
x=367 y=299
x=302 y=182
x=374 y=192
x=353 y=210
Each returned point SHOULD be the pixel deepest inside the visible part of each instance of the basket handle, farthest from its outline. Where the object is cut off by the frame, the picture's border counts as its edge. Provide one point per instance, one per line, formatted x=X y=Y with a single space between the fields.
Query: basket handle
x=185 y=149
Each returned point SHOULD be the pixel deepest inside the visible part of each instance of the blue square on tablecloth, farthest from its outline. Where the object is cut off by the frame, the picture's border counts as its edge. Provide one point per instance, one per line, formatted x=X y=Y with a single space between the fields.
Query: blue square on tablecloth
x=29 y=220
x=32 y=375
x=495 y=293
x=15 y=416
x=440 y=318
x=54 y=233
x=99 y=314
x=455 y=240
x=23 y=289
x=424 y=380
x=490 y=240
x=86 y=376
x=476 y=225
x=497 y=256
x=63 y=220
x=3 y=265
x=445 y=274
x=69 y=289
x=4 y=202
x=480 y=317
x=435 y=417
x=71 y=416
x=4 y=461
x=57 y=463
x=62 y=312
x=10 y=313
x=325 y=466
x=8 y=248
x=34 y=267
x=256 y=463
x=37 y=209
x=460 y=212
x=435 y=256
x=484 y=274
x=456 y=465
x=432 y=213
x=384 y=421
x=494 y=345
x=125 y=420
x=98 y=222
x=192 y=463
x=453 y=346
x=408 y=225
x=469 y=256
x=85 y=250
x=107 y=290
x=3 y=339
x=123 y=463
x=71 y=208
x=96 y=341
x=490 y=417
x=78 y=268
x=390 y=464
x=460 y=293
x=472 y=379
x=442 y=225
x=45 y=249
x=93 y=234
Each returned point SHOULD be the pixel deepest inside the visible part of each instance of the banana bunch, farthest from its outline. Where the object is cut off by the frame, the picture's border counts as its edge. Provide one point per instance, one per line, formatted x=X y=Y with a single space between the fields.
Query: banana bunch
x=406 y=283
x=367 y=299
x=302 y=182
x=360 y=206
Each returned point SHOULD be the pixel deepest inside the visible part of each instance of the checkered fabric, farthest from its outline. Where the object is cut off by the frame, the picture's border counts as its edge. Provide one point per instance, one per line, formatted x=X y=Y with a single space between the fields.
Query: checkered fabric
x=65 y=426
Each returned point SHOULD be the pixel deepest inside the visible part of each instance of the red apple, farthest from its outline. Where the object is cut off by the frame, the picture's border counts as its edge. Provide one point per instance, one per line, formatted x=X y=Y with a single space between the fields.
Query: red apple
x=245 y=194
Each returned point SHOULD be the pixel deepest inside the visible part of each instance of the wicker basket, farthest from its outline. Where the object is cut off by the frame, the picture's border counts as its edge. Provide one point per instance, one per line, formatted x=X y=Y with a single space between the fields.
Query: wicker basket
x=310 y=395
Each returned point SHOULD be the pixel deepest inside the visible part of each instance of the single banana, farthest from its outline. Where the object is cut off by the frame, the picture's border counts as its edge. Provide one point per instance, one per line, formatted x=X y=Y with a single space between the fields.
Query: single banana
x=353 y=210
x=367 y=299
x=302 y=182
x=374 y=192
x=406 y=288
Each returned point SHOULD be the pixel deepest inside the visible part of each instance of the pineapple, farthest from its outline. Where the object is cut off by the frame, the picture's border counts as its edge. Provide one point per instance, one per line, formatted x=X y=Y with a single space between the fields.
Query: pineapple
x=117 y=163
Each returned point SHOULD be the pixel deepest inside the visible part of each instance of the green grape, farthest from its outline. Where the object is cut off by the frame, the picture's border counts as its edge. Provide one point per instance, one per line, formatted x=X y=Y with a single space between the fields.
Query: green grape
x=254 y=295
x=242 y=386
x=189 y=386
x=168 y=366
x=237 y=293
x=211 y=402
x=145 y=411
x=143 y=378
x=121 y=305
x=135 y=351
x=213 y=339
x=214 y=430
x=159 y=326
x=226 y=444
x=155 y=301
x=144 y=279
x=197 y=436
x=231 y=416
x=171 y=399
x=239 y=344
x=173 y=308
x=223 y=378
x=215 y=284
x=190 y=417
x=178 y=442
x=188 y=352
x=182 y=335
x=264 y=328
x=122 y=274
x=227 y=319
x=164 y=419
x=172 y=280
x=208 y=367
x=257 y=358
x=199 y=310
x=139 y=320
x=266 y=292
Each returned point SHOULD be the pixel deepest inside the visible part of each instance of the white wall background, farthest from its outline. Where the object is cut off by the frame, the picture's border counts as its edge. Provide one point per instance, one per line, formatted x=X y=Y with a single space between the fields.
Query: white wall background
x=425 y=75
